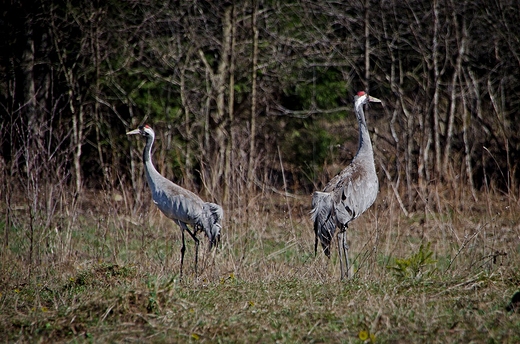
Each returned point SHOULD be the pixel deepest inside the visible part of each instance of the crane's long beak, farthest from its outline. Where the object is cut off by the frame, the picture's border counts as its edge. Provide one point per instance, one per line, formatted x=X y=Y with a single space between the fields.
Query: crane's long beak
x=134 y=132
x=374 y=99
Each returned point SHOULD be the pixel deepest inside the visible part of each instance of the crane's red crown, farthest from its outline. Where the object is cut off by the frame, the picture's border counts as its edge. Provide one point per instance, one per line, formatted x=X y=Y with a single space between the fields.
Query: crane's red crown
x=361 y=93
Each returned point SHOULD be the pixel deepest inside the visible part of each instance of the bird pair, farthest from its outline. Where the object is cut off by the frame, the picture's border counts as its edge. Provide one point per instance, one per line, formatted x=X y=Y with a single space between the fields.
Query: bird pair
x=343 y=199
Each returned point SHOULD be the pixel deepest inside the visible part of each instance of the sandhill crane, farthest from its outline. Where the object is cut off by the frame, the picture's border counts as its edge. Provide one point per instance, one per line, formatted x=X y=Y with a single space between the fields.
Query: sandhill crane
x=348 y=194
x=181 y=205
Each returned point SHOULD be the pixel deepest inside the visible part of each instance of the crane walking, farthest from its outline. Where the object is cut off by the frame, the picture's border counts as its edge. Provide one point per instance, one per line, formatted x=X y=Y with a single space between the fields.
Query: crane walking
x=348 y=194
x=181 y=205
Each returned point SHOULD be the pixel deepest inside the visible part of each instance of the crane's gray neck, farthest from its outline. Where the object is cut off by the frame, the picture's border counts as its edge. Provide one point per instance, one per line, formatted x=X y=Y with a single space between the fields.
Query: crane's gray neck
x=151 y=172
x=365 y=145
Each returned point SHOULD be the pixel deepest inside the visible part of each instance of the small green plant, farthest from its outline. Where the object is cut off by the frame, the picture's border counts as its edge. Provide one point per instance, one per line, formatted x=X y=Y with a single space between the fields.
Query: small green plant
x=152 y=306
x=415 y=266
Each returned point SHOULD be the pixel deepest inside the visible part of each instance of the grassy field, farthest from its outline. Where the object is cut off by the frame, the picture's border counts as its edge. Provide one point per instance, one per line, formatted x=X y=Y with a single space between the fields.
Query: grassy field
x=100 y=271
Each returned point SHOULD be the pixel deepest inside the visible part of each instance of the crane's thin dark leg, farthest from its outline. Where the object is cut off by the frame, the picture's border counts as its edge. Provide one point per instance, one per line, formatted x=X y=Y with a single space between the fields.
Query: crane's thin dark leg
x=183 y=250
x=196 y=254
x=316 y=245
x=345 y=252
x=340 y=254
x=192 y=234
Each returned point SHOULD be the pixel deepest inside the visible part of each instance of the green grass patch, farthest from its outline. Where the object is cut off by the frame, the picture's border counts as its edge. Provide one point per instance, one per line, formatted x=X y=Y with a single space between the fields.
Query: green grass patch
x=116 y=279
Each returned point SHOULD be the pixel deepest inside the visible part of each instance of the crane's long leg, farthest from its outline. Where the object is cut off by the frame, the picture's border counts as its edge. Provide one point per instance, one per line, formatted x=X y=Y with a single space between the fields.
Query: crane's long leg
x=315 y=244
x=345 y=252
x=184 y=227
x=192 y=234
x=183 y=250
x=340 y=254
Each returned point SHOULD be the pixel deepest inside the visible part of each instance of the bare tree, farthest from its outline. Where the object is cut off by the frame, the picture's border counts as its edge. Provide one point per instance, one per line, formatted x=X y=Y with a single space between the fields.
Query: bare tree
x=254 y=67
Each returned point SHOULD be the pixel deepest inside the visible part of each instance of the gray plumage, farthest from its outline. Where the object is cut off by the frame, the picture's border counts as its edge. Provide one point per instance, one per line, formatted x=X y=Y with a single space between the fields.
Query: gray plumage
x=348 y=194
x=181 y=205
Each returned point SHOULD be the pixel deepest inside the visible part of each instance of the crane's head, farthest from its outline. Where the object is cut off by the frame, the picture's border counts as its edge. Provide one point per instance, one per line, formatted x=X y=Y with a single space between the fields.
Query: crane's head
x=363 y=98
x=143 y=130
x=360 y=99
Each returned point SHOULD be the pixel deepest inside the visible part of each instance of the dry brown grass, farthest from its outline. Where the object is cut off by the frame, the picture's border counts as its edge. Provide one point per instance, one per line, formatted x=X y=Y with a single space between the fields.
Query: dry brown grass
x=107 y=271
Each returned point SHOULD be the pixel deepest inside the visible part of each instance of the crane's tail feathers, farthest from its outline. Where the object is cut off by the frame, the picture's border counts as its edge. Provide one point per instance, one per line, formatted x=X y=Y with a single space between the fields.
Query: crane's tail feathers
x=322 y=216
x=213 y=214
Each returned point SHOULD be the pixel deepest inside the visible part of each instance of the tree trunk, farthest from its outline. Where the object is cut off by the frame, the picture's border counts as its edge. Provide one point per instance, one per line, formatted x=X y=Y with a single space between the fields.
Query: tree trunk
x=367 y=46
x=97 y=90
x=436 y=73
x=229 y=182
x=254 y=66
x=29 y=94
x=453 y=98
x=187 y=128
x=77 y=138
x=467 y=149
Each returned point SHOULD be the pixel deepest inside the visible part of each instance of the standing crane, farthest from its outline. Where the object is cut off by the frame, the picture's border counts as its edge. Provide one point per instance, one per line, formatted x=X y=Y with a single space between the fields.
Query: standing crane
x=181 y=205
x=348 y=194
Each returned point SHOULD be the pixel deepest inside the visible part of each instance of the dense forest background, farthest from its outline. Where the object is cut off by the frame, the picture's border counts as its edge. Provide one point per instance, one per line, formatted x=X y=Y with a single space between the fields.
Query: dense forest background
x=257 y=95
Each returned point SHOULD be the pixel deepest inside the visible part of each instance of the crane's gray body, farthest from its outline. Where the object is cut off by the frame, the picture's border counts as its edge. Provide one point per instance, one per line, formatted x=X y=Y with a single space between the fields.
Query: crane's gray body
x=181 y=205
x=349 y=193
